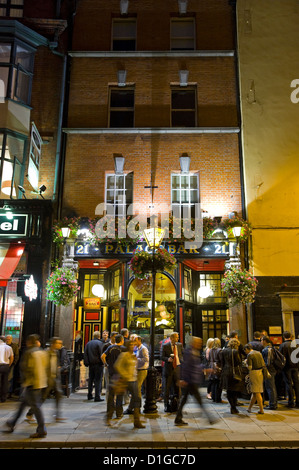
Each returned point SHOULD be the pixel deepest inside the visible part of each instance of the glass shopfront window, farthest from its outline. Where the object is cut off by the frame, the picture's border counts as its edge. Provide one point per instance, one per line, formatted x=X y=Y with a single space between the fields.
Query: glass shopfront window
x=139 y=308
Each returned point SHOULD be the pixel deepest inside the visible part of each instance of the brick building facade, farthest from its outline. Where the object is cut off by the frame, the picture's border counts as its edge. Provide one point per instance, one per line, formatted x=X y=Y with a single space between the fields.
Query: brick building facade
x=149 y=86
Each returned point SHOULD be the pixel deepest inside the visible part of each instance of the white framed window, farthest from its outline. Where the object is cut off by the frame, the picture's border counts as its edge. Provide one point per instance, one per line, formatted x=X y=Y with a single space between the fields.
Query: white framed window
x=124 y=34
x=182 y=34
x=12 y=148
x=119 y=192
x=16 y=71
x=12 y=8
x=184 y=193
x=183 y=107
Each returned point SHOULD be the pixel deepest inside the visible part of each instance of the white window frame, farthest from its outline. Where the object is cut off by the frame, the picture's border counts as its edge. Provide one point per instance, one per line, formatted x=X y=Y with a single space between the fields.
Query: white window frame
x=183 y=204
x=118 y=204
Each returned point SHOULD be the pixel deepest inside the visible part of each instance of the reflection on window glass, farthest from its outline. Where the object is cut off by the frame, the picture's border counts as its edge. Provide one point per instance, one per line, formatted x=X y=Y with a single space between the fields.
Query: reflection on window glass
x=210 y=289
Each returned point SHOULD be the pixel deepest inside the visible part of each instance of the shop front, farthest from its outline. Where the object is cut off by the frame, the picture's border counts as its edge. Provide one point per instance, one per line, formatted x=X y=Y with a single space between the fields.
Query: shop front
x=188 y=300
x=24 y=265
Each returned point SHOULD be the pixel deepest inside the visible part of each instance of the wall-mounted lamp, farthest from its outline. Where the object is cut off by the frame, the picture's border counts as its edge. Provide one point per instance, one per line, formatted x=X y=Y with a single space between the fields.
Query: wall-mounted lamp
x=121 y=77
x=183 y=4
x=41 y=190
x=65 y=232
x=183 y=74
x=124 y=6
x=23 y=191
x=185 y=163
x=119 y=162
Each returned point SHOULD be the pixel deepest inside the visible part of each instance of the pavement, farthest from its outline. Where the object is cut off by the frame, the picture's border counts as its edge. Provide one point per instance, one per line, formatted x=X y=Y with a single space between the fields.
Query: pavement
x=84 y=427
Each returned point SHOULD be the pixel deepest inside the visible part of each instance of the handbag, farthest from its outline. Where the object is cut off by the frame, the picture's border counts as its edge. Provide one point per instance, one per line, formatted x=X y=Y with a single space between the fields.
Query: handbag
x=236 y=372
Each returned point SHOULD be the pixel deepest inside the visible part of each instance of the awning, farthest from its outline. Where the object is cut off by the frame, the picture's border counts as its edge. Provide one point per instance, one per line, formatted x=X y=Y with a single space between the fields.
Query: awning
x=10 y=254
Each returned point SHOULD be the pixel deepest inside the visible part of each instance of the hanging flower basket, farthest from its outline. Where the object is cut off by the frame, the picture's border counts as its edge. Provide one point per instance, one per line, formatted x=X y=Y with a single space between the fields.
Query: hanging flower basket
x=239 y=286
x=71 y=223
x=141 y=263
x=246 y=229
x=62 y=286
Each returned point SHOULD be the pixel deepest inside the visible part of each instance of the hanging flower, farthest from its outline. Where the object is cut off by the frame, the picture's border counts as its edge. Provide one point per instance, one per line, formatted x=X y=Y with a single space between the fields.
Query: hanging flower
x=246 y=228
x=239 y=286
x=71 y=223
x=62 y=286
x=141 y=263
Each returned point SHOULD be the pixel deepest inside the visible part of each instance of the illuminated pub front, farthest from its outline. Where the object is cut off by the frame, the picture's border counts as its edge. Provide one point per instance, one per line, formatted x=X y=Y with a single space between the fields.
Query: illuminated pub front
x=188 y=300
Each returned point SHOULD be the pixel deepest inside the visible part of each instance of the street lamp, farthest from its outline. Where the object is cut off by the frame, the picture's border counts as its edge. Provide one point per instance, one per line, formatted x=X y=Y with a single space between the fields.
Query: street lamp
x=153 y=237
x=237 y=232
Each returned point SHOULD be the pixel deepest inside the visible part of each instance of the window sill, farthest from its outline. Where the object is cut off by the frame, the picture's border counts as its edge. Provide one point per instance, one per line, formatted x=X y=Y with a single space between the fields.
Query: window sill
x=152 y=54
x=154 y=130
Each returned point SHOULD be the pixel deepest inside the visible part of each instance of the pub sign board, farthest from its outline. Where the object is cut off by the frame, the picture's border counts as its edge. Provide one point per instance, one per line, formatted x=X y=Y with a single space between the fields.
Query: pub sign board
x=208 y=249
x=14 y=226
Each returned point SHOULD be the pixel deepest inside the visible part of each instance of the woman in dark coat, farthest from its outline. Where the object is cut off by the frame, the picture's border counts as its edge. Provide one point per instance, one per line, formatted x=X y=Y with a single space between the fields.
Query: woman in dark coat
x=230 y=355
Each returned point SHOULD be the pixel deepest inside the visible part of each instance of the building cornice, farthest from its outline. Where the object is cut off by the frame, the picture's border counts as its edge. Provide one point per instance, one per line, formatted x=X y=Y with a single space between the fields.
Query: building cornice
x=150 y=54
x=153 y=130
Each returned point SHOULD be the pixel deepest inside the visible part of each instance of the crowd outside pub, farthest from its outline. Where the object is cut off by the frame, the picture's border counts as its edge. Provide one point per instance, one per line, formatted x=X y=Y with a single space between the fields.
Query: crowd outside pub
x=258 y=371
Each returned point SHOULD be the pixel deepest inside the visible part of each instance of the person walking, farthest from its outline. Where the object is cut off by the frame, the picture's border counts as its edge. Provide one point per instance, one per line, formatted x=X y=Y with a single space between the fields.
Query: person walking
x=290 y=370
x=16 y=354
x=33 y=370
x=105 y=365
x=126 y=367
x=92 y=360
x=142 y=357
x=6 y=361
x=172 y=356
x=231 y=378
x=115 y=399
x=269 y=383
x=255 y=365
x=191 y=377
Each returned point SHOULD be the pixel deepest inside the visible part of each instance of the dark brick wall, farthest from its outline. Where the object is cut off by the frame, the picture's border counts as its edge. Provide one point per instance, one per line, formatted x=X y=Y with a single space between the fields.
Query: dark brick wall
x=267 y=307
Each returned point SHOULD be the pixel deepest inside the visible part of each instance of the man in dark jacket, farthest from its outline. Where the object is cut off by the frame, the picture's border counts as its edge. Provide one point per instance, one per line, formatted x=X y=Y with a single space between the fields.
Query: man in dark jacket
x=256 y=342
x=290 y=370
x=192 y=375
x=172 y=356
x=270 y=386
x=92 y=359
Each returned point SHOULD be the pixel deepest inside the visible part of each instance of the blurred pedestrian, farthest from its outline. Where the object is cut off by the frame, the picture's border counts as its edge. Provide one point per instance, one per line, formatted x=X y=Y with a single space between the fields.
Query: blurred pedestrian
x=16 y=354
x=255 y=365
x=65 y=365
x=92 y=360
x=142 y=356
x=126 y=368
x=231 y=375
x=172 y=356
x=54 y=375
x=115 y=398
x=191 y=377
x=105 y=365
x=206 y=358
x=6 y=361
x=33 y=370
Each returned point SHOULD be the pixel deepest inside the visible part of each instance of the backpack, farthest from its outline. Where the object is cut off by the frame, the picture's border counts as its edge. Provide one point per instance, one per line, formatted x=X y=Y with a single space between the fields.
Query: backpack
x=279 y=360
